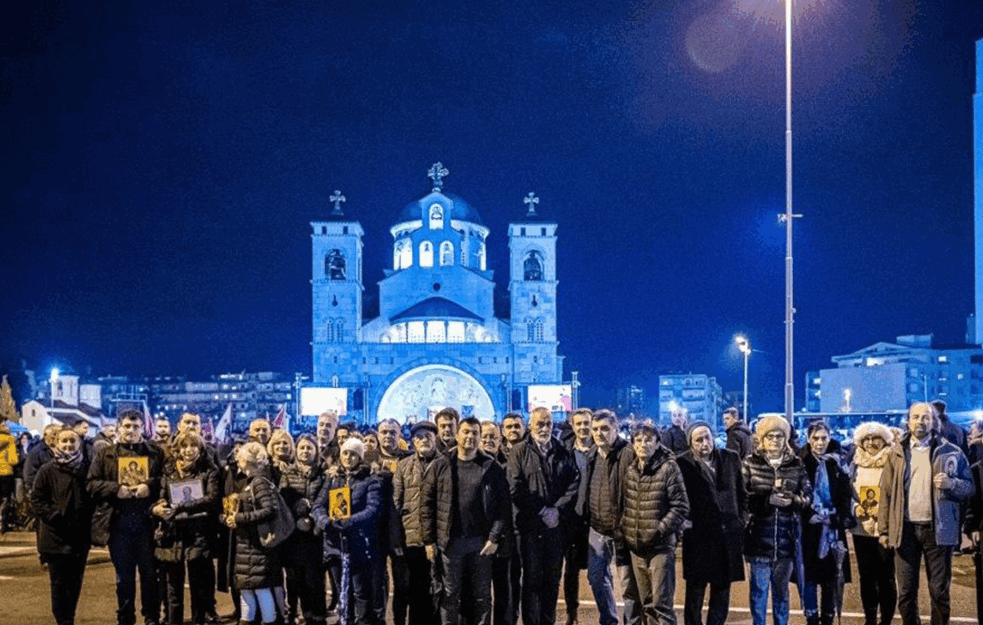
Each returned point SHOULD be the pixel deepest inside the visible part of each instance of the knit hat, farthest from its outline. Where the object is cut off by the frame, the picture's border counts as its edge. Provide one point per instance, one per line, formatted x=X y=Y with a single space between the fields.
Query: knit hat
x=692 y=427
x=423 y=425
x=353 y=444
x=872 y=428
x=770 y=423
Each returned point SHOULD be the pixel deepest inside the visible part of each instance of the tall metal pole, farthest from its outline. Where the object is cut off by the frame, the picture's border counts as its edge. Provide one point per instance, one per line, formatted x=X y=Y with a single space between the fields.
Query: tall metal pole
x=746 y=354
x=789 y=308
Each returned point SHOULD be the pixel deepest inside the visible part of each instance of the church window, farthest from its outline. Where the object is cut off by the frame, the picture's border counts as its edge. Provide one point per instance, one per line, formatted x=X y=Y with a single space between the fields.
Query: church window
x=416 y=332
x=481 y=256
x=446 y=254
x=329 y=331
x=339 y=330
x=455 y=332
x=344 y=229
x=542 y=231
x=530 y=331
x=335 y=381
x=539 y=330
x=532 y=267
x=403 y=256
x=522 y=232
x=435 y=332
x=426 y=254
x=334 y=265
x=436 y=217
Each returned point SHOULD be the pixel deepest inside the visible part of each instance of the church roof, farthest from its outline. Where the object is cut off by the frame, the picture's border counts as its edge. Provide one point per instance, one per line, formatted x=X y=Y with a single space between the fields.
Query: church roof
x=435 y=307
x=460 y=210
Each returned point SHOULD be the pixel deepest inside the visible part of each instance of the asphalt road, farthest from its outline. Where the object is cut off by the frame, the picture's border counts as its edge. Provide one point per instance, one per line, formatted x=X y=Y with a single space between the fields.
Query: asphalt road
x=25 y=598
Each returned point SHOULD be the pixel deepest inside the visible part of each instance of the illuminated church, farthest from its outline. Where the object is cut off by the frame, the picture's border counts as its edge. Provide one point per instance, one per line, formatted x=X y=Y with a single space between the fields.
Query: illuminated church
x=436 y=341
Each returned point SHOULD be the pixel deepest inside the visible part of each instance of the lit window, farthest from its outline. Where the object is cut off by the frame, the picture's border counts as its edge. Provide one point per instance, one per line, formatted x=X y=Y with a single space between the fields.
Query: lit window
x=403 y=254
x=446 y=254
x=436 y=217
x=416 y=334
x=426 y=254
x=539 y=330
x=530 y=331
x=943 y=359
x=435 y=332
x=455 y=332
x=481 y=256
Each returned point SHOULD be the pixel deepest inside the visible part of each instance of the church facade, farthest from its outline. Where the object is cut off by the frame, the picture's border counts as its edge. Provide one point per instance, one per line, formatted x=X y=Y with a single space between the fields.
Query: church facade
x=436 y=342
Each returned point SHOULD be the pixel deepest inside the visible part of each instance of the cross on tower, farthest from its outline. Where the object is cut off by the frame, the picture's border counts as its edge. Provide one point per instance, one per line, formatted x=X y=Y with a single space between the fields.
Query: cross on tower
x=531 y=200
x=437 y=173
x=337 y=198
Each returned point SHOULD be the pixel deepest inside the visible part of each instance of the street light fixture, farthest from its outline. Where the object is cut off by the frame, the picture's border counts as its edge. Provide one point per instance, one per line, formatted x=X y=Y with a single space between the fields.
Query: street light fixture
x=744 y=345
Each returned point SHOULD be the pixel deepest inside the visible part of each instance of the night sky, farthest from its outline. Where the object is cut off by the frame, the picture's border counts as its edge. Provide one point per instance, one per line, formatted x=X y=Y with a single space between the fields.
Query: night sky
x=162 y=163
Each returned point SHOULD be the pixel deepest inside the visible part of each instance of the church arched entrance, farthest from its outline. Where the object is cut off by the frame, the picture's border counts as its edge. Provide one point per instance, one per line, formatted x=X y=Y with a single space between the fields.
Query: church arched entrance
x=419 y=393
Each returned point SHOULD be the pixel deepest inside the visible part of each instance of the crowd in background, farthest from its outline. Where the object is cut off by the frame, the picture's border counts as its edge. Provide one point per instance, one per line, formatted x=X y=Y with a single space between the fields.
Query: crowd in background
x=465 y=521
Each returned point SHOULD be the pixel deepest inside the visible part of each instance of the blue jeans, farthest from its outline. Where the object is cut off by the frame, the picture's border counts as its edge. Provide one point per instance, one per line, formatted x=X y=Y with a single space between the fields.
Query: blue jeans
x=601 y=551
x=773 y=574
x=656 y=578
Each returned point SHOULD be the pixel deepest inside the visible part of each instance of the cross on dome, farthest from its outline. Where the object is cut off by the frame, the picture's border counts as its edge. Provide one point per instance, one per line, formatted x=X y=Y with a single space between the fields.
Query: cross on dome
x=531 y=200
x=437 y=172
x=337 y=198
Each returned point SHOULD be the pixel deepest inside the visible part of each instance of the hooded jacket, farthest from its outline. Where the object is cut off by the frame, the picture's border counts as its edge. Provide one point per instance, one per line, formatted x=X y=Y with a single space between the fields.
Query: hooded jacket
x=946 y=503
x=655 y=504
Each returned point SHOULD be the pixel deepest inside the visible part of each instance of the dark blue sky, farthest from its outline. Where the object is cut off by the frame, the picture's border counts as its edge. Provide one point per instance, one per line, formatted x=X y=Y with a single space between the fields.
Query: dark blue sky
x=161 y=165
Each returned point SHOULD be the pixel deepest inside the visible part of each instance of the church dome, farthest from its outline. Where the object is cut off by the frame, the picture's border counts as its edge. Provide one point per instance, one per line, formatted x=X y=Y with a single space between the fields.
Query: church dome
x=460 y=210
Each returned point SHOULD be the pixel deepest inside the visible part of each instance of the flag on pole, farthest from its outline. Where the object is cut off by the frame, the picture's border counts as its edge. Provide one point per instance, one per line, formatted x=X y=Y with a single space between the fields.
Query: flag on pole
x=280 y=420
x=207 y=431
x=224 y=427
x=148 y=423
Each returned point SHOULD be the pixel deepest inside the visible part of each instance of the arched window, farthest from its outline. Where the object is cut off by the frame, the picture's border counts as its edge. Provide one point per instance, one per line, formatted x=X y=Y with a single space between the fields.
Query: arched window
x=339 y=330
x=530 y=331
x=539 y=330
x=446 y=254
x=481 y=256
x=426 y=254
x=335 y=381
x=532 y=267
x=403 y=254
x=329 y=331
x=334 y=265
x=436 y=217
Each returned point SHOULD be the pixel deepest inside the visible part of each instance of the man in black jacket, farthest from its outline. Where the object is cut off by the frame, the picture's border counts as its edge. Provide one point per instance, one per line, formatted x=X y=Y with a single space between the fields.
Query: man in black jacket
x=131 y=530
x=738 y=434
x=465 y=514
x=40 y=454
x=543 y=481
x=713 y=547
x=606 y=468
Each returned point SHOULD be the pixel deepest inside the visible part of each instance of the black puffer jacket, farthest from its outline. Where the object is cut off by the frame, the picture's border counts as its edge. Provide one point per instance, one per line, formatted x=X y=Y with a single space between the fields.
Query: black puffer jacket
x=300 y=490
x=189 y=534
x=439 y=498
x=408 y=497
x=773 y=532
x=256 y=566
x=655 y=504
x=537 y=481
x=62 y=505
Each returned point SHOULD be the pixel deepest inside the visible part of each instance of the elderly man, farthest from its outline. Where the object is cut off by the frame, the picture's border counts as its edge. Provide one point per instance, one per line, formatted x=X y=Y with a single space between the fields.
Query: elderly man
x=674 y=437
x=327 y=428
x=40 y=453
x=543 y=480
x=925 y=481
x=713 y=545
x=411 y=555
x=390 y=451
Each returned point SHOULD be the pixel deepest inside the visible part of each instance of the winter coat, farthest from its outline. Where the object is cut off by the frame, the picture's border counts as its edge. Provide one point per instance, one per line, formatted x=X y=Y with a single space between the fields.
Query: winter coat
x=440 y=499
x=63 y=507
x=408 y=497
x=674 y=439
x=538 y=481
x=300 y=491
x=605 y=516
x=974 y=511
x=190 y=532
x=865 y=472
x=946 y=503
x=255 y=565
x=773 y=532
x=38 y=456
x=739 y=439
x=713 y=547
x=104 y=480
x=841 y=494
x=8 y=455
x=655 y=504
x=359 y=534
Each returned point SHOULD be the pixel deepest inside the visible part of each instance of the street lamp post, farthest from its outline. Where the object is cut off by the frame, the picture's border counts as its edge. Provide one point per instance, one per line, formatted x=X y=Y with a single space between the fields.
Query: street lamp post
x=744 y=345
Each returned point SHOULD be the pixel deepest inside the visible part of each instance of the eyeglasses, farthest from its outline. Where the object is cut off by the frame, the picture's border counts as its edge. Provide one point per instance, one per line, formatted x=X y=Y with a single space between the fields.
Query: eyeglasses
x=775 y=436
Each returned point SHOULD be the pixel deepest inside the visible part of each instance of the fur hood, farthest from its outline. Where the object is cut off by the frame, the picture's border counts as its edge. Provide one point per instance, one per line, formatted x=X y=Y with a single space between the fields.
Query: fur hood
x=872 y=428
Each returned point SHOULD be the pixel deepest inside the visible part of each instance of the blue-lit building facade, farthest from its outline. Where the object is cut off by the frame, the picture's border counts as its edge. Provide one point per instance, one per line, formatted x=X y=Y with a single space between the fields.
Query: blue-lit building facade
x=436 y=341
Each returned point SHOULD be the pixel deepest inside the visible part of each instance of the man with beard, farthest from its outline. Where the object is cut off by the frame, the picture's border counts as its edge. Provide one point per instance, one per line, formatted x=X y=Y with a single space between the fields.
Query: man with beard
x=713 y=546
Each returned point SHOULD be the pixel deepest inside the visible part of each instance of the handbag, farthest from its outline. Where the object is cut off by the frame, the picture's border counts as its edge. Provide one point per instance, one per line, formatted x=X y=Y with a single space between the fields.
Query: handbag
x=272 y=533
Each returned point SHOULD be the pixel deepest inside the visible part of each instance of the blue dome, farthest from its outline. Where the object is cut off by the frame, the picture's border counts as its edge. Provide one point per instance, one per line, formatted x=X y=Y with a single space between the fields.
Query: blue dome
x=460 y=210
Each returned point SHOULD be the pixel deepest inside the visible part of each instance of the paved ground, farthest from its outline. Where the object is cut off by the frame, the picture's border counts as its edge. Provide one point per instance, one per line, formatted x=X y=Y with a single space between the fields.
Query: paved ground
x=25 y=598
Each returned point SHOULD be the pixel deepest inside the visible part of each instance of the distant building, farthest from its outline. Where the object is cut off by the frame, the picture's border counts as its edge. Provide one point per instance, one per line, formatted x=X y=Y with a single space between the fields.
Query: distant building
x=631 y=400
x=699 y=394
x=437 y=340
x=64 y=402
x=890 y=376
x=252 y=395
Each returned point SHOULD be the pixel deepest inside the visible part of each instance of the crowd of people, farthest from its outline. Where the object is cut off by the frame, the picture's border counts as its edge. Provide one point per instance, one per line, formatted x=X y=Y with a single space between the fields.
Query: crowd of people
x=485 y=522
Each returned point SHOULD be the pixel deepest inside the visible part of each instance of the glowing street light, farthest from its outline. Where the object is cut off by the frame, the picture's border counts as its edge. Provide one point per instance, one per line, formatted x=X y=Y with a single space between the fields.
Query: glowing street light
x=53 y=380
x=744 y=345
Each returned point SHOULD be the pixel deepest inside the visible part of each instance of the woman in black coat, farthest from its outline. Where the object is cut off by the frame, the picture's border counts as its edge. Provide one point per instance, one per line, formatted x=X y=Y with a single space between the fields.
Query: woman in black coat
x=829 y=517
x=188 y=511
x=258 y=574
x=63 y=507
x=300 y=484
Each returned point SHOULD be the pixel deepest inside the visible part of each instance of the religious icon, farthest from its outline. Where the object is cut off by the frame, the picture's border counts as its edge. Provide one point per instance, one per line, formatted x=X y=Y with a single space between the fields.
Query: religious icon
x=230 y=505
x=133 y=470
x=867 y=508
x=340 y=503
x=185 y=490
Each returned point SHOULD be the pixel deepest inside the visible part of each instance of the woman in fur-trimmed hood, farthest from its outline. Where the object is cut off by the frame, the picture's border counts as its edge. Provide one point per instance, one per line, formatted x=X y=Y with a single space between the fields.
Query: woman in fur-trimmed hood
x=871 y=446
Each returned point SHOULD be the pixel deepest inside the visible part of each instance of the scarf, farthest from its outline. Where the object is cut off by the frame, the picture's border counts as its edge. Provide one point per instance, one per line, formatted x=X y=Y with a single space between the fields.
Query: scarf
x=822 y=503
x=70 y=460
x=870 y=461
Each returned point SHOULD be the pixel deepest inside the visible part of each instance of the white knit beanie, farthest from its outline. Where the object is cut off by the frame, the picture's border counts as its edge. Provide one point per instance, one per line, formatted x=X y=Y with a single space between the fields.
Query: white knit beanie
x=353 y=444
